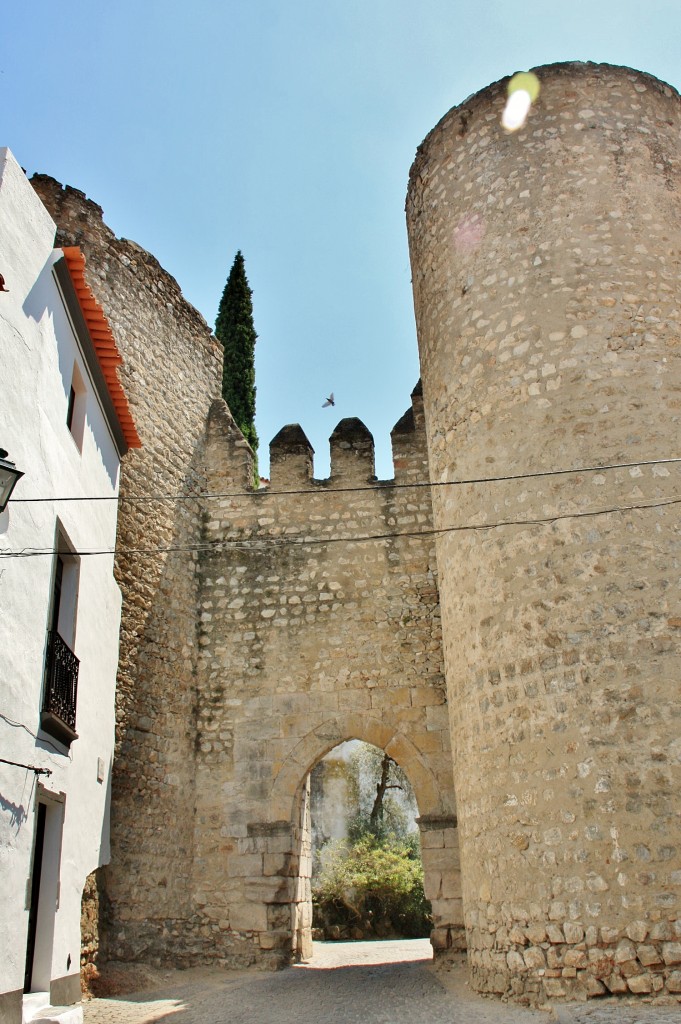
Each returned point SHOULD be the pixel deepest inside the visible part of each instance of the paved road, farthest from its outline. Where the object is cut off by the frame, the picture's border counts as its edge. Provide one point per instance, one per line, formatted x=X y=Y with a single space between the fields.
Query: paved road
x=345 y=983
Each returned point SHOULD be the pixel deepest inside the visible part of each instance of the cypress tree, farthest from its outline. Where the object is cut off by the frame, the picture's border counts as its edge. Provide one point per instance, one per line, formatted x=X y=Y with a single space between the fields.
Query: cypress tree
x=235 y=331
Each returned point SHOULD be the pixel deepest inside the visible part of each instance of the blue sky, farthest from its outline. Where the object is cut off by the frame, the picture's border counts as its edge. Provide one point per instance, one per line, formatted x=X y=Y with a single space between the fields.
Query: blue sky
x=286 y=129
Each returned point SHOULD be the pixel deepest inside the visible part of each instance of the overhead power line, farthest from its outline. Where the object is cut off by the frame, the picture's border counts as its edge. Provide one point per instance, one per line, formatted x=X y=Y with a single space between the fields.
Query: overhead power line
x=387 y=484
x=251 y=543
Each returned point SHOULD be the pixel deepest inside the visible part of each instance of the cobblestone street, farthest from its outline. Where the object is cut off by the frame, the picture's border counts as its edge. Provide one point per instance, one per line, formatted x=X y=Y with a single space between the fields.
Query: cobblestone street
x=368 y=982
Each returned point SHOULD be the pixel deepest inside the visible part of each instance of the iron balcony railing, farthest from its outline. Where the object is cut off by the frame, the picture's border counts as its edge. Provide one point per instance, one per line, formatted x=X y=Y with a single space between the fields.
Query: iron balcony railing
x=61 y=688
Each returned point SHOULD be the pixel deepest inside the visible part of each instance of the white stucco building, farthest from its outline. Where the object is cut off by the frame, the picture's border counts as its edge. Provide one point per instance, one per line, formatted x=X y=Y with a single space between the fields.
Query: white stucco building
x=65 y=423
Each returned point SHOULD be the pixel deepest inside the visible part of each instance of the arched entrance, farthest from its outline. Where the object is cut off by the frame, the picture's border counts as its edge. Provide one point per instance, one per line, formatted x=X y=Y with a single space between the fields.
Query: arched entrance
x=367 y=869
x=284 y=842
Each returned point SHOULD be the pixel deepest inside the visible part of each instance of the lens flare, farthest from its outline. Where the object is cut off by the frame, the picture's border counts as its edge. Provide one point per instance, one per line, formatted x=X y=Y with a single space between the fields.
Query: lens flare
x=523 y=90
x=516 y=110
x=469 y=233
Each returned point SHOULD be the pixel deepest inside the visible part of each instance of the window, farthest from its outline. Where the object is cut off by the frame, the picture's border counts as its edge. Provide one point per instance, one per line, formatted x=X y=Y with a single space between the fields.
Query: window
x=58 y=714
x=76 y=407
x=71 y=407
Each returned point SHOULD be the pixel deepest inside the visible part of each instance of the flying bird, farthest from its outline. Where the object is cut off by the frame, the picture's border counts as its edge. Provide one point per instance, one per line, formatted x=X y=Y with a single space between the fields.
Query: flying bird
x=330 y=401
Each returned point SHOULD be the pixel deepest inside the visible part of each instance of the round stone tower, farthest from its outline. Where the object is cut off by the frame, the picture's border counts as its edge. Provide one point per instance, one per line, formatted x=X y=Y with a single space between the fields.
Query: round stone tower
x=547 y=282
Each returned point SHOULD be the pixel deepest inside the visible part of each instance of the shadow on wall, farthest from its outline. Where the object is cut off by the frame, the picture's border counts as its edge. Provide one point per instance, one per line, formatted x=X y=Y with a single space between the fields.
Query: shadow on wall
x=42 y=300
x=17 y=812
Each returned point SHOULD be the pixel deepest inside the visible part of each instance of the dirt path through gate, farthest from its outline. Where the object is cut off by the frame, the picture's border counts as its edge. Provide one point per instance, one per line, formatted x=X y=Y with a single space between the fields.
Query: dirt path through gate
x=345 y=983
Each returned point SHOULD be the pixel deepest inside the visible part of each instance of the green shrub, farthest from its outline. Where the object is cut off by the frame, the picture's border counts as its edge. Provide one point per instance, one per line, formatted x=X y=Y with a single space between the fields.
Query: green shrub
x=374 y=884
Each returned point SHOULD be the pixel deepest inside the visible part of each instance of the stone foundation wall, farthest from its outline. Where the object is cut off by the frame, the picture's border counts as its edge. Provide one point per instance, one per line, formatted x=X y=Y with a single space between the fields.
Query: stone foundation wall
x=548 y=297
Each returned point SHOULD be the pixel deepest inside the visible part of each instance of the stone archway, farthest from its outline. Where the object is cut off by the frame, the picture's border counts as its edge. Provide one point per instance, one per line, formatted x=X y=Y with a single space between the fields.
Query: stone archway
x=318 y=620
x=334 y=730
x=284 y=842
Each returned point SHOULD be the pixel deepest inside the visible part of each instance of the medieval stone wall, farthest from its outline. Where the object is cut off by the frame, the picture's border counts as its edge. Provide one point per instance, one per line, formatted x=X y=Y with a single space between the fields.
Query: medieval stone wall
x=547 y=284
x=319 y=623
x=171 y=373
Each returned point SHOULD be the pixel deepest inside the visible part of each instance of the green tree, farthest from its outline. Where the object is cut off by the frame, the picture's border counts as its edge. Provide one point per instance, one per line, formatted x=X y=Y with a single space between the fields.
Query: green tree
x=374 y=884
x=235 y=331
x=371 y=884
x=372 y=775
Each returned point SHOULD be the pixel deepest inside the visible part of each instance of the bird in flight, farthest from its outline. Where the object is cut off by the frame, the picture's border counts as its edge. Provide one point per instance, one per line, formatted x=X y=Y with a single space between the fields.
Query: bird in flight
x=330 y=401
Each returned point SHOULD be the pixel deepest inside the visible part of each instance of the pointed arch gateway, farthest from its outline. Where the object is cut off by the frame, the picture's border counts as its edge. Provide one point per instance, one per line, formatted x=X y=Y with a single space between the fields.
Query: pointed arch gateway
x=320 y=622
x=339 y=728
x=284 y=841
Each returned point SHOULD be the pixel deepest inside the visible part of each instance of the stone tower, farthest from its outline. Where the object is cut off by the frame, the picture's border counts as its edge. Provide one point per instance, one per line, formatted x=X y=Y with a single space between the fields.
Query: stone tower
x=547 y=282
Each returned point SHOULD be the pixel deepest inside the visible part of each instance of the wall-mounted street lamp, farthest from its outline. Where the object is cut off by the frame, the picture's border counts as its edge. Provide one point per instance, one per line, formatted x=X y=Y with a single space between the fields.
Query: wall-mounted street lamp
x=9 y=474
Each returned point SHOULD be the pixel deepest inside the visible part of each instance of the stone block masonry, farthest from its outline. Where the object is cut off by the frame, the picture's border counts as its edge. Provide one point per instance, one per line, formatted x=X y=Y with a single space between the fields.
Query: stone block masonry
x=546 y=268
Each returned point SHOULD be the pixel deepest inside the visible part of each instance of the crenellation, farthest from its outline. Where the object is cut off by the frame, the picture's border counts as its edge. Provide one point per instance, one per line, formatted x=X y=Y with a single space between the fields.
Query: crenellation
x=291 y=459
x=352 y=454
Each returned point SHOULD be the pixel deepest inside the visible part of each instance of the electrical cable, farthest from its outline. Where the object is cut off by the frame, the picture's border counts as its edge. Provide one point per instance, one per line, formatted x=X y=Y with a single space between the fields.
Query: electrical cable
x=251 y=543
x=380 y=484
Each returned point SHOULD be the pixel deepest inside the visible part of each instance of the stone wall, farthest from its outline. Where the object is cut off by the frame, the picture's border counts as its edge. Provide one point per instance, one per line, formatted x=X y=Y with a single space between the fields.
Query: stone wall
x=172 y=371
x=546 y=268
x=93 y=915
x=319 y=623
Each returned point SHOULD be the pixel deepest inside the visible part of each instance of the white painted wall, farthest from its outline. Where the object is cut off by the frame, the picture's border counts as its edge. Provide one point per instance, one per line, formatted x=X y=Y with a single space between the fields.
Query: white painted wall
x=39 y=350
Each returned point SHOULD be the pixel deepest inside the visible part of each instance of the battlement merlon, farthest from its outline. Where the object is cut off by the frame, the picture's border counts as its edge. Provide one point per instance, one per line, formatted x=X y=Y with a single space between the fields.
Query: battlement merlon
x=291 y=459
x=410 y=447
x=228 y=457
x=352 y=452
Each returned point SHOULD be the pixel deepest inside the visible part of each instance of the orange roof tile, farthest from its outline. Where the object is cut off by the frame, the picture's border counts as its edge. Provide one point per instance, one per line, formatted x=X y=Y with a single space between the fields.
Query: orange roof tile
x=103 y=340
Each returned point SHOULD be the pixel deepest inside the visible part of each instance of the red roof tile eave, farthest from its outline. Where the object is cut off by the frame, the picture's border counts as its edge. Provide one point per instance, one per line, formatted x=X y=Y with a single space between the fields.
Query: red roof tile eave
x=104 y=343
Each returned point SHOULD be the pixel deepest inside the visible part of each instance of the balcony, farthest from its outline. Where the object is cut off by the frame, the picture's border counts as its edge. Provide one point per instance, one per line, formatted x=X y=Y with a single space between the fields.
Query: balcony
x=58 y=715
